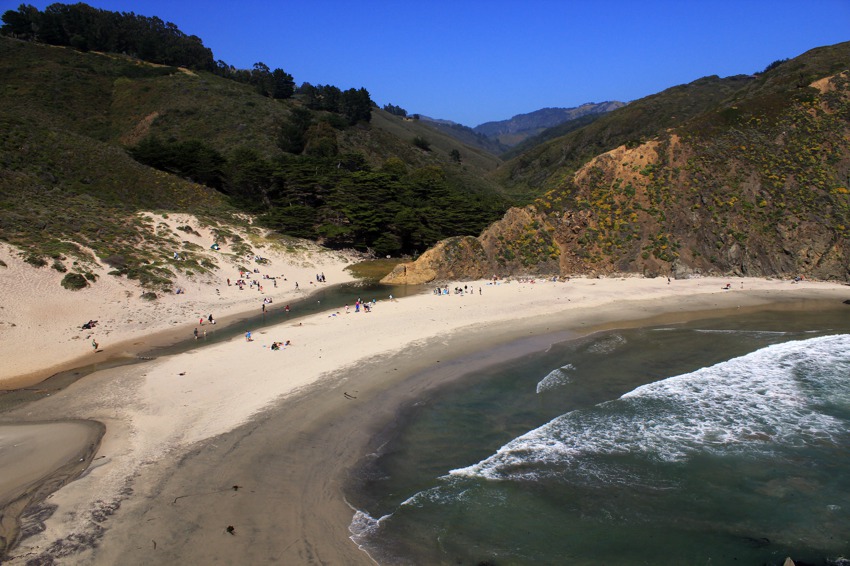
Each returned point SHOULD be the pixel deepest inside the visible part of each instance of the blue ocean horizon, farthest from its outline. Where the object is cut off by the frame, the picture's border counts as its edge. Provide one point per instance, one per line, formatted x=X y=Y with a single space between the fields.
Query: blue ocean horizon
x=717 y=441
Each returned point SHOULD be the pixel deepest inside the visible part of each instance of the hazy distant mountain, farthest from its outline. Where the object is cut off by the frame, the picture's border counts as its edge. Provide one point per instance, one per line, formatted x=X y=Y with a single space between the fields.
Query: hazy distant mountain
x=523 y=126
x=500 y=136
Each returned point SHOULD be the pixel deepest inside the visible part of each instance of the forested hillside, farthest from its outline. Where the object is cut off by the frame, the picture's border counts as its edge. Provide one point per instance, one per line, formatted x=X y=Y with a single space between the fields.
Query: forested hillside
x=104 y=115
x=177 y=130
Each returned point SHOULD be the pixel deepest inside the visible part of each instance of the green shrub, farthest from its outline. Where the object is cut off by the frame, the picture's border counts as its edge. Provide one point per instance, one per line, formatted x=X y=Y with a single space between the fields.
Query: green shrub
x=35 y=261
x=422 y=143
x=74 y=281
x=116 y=261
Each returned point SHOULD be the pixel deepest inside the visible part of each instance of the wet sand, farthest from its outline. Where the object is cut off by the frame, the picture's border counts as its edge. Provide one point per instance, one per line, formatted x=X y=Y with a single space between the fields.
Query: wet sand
x=35 y=460
x=279 y=479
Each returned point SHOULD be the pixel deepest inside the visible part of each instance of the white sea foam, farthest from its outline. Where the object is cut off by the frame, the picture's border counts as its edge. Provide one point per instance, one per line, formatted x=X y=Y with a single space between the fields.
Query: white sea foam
x=754 y=333
x=362 y=524
x=781 y=395
x=607 y=344
x=362 y=528
x=433 y=495
x=556 y=378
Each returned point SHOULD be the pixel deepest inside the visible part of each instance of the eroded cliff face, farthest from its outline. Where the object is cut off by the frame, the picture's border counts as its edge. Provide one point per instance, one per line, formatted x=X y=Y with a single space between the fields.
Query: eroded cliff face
x=461 y=257
x=760 y=196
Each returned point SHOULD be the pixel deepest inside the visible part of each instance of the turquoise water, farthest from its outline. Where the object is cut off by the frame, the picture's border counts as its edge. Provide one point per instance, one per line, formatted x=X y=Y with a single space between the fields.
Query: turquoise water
x=722 y=441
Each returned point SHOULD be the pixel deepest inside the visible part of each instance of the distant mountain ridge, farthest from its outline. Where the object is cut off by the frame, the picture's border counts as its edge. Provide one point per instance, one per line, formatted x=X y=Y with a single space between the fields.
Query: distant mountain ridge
x=501 y=136
x=523 y=126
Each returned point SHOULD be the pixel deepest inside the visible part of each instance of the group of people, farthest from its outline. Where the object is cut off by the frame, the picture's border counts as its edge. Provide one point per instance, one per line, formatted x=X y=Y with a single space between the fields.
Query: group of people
x=457 y=290
x=279 y=345
x=365 y=305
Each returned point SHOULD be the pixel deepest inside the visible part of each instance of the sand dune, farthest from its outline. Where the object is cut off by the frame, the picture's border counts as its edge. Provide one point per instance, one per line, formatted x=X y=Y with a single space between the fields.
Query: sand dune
x=41 y=322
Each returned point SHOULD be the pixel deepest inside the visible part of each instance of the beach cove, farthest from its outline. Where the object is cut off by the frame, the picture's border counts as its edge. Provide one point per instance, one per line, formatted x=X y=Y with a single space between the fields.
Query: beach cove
x=235 y=452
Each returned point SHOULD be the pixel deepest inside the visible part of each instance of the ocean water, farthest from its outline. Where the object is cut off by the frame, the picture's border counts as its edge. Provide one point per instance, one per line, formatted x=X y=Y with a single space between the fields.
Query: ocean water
x=720 y=441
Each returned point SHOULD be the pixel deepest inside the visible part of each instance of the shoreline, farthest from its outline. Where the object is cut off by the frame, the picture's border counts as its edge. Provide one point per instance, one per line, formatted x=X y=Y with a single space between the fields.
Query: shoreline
x=322 y=424
x=42 y=324
x=146 y=348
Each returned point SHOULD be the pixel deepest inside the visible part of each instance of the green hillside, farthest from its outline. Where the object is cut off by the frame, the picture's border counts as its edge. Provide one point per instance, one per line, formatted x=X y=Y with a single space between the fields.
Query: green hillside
x=544 y=161
x=541 y=168
x=220 y=142
x=744 y=176
x=732 y=174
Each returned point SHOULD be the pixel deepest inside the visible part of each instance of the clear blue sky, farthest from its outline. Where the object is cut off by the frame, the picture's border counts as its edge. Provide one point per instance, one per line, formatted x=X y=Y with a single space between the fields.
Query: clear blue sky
x=477 y=61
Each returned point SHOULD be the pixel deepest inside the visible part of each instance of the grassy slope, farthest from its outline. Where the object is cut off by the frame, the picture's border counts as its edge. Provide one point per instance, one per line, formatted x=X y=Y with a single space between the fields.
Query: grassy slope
x=391 y=136
x=66 y=117
x=692 y=106
x=114 y=99
x=66 y=184
x=441 y=143
x=545 y=166
x=756 y=184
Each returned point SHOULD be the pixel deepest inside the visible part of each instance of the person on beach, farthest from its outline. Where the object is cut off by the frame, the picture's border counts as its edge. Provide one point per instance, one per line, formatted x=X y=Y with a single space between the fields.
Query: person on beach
x=211 y=319
x=196 y=333
x=248 y=337
x=94 y=344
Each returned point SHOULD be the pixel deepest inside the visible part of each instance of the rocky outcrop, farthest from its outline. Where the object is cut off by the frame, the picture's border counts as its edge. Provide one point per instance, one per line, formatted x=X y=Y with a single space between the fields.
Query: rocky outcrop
x=455 y=258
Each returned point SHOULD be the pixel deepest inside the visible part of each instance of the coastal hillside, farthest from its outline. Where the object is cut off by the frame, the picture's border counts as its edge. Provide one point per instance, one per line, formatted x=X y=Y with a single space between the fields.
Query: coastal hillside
x=744 y=174
x=754 y=183
x=90 y=138
x=533 y=170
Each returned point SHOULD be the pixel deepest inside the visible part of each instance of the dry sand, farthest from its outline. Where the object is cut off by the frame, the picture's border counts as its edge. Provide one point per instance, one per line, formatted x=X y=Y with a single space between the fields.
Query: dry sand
x=41 y=322
x=237 y=435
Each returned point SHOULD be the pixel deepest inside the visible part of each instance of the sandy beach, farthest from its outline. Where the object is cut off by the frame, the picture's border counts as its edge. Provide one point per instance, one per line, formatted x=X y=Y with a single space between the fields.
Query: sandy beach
x=41 y=323
x=235 y=452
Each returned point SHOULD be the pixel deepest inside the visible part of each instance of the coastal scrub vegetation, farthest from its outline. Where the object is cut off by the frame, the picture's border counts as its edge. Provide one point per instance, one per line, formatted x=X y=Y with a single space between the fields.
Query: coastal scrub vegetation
x=755 y=185
x=309 y=165
x=746 y=174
